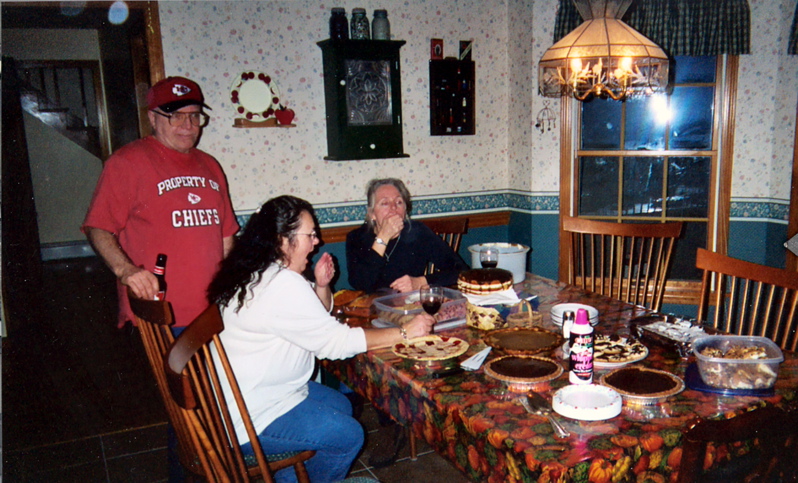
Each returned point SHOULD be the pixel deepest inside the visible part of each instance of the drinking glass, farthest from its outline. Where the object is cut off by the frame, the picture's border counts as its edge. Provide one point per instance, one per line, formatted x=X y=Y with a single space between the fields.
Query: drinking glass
x=431 y=299
x=489 y=257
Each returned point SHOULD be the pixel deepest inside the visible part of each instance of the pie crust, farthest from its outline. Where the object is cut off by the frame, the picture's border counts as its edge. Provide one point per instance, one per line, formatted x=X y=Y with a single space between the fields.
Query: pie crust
x=523 y=340
x=642 y=383
x=518 y=369
x=483 y=281
x=431 y=348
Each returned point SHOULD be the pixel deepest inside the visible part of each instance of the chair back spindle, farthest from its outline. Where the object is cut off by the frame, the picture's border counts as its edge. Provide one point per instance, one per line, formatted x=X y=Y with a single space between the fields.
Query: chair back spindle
x=626 y=261
x=745 y=298
x=451 y=230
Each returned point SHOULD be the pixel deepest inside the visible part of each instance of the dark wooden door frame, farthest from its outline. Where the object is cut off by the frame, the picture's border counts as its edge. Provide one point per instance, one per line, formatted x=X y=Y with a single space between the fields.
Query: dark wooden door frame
x=20 y=275
x=792 y=226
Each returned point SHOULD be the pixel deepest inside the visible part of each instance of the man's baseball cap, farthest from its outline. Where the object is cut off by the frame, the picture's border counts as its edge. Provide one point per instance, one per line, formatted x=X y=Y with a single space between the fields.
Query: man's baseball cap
x=173 y=93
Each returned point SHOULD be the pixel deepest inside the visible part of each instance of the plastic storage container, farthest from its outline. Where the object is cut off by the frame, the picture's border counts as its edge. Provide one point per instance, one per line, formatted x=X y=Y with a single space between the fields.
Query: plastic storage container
x=400 y=308
x=728 y=373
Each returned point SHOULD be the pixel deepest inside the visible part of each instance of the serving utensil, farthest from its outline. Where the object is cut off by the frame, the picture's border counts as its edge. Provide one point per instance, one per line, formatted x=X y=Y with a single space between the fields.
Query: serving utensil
x=534 y=403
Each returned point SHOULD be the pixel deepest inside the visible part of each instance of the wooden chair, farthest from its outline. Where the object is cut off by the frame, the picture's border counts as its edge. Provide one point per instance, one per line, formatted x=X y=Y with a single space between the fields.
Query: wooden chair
x=748 y=299
x=626 y=261
x=194 y=385
x=153 y=319
x=451 y=230
x=773 y=457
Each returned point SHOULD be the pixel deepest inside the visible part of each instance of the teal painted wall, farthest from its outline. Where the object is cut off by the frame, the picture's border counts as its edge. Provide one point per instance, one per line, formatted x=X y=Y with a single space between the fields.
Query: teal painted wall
x=758 y=242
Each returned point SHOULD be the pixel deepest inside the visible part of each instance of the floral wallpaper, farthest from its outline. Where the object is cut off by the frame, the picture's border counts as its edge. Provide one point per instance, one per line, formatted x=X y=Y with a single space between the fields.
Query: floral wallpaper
x=766 y=105
x=213 y=42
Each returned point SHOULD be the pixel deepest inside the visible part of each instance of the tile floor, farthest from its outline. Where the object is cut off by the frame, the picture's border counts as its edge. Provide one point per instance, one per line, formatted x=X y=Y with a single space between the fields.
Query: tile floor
x=79 y=403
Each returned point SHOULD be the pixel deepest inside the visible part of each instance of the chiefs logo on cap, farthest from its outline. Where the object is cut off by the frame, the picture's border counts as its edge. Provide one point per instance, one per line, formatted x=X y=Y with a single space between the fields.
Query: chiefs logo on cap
x=180 y=90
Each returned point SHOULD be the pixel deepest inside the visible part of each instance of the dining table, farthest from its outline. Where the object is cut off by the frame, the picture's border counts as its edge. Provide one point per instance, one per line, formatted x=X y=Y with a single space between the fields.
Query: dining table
x=476 y=422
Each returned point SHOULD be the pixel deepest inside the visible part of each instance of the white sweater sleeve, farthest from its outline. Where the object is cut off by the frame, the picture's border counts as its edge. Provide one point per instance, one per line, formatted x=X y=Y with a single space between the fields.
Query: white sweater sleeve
x=287 y=306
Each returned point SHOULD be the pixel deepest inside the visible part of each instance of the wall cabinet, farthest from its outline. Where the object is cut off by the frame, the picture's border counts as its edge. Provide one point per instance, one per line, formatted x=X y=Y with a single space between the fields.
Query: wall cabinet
x=451 y=106
x=363 y=97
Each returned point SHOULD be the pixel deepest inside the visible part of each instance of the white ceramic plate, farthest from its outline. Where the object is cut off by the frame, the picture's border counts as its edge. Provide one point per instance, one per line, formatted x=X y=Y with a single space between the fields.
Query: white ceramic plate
x=558 y=310
x=589 y=402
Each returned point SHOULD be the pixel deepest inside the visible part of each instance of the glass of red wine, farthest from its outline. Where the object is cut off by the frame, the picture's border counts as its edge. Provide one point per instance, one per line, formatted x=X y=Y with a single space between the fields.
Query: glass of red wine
x=489 y=257
x=431 y=299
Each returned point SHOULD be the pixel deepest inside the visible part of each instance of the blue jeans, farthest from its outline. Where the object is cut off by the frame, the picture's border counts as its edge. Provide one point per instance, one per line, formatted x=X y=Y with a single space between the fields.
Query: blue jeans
x=322 y=422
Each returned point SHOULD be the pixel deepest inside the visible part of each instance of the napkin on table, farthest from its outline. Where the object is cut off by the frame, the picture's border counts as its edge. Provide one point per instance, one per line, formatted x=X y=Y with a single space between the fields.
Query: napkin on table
x=474 y=362
x=504 y=297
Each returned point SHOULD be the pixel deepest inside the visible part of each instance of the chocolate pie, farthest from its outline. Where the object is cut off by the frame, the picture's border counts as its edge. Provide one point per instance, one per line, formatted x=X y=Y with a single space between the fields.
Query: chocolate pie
x=523 y=369
x=523 y=340
x=643 y=383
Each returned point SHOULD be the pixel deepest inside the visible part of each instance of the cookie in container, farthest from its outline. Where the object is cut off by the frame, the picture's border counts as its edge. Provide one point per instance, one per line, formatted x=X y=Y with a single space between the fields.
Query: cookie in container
x=737 y=362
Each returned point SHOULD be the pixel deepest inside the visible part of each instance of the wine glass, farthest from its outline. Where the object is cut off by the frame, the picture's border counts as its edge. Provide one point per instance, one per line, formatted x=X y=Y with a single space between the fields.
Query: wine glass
x=489 y=257
x=431 y=299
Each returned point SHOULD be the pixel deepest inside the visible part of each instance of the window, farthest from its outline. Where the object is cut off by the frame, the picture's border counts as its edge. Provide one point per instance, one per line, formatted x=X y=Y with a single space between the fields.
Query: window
x=657 y=158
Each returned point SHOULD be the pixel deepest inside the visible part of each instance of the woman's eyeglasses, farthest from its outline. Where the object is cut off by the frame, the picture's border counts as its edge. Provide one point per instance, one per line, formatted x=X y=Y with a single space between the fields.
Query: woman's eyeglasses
x=312 y=235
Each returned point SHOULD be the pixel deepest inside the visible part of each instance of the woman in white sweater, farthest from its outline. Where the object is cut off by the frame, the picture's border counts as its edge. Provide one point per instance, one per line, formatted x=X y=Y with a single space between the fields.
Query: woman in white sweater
x=276 y=325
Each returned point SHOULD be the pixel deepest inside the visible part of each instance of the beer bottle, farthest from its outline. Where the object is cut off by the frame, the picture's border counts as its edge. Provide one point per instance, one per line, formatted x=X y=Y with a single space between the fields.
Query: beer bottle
x=160 y=269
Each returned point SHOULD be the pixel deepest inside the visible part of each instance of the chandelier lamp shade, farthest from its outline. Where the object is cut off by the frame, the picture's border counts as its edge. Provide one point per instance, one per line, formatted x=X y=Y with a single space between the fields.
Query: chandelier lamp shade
x=603 y=57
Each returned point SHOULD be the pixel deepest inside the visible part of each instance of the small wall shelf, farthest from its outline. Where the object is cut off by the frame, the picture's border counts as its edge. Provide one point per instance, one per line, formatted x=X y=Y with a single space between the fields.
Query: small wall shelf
x=451 y=106
x=245 y=123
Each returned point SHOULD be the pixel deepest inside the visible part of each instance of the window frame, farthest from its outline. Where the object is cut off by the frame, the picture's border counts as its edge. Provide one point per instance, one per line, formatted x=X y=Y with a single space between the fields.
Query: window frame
x=722 y=155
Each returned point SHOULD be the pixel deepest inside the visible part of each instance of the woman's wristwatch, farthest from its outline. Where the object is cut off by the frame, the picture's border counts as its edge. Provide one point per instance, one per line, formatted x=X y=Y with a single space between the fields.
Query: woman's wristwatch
x=380 y=241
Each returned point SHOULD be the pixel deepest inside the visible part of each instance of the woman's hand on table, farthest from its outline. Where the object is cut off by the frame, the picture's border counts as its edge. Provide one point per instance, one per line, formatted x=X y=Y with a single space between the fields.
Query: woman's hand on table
x=419 y=326
x=406 y=283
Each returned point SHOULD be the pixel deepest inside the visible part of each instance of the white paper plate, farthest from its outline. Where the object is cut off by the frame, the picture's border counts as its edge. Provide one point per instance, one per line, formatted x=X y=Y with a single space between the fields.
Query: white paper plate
x=589 y=402
x=558 y=310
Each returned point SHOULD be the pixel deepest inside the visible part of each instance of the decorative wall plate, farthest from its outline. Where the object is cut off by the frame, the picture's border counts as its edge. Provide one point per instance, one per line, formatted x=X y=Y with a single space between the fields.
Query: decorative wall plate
x=255 y=96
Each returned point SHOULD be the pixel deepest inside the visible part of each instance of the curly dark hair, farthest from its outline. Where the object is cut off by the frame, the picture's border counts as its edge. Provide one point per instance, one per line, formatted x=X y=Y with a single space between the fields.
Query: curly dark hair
x=258 y=246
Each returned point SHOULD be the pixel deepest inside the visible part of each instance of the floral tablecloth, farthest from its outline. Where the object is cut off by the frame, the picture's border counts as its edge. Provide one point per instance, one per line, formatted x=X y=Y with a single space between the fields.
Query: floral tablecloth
x=472 y=419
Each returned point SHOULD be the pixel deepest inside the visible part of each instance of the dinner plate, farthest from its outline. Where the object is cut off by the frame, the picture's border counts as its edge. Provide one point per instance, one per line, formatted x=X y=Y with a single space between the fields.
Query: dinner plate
x=587 y=402
x=431 y=348
x=255 y=96
x=559 y=310
x=603 y=363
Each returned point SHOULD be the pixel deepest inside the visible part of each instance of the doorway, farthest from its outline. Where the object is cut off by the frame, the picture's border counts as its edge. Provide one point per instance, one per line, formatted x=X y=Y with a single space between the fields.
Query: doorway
x=55 y=43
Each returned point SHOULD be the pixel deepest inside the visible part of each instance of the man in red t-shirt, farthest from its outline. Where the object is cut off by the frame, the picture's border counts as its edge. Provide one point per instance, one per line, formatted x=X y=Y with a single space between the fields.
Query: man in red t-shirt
x=162 y=195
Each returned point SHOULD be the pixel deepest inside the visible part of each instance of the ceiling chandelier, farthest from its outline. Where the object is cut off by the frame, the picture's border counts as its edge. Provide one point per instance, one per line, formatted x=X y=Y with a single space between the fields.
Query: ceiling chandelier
x=603 y=57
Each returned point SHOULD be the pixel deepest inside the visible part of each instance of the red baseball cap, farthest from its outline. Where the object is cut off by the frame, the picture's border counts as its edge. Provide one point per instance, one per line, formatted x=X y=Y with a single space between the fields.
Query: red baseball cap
x=172 y=93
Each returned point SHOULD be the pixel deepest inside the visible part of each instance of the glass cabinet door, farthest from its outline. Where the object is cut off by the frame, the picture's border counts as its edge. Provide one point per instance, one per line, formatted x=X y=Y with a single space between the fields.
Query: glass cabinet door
x=368 y=93
x=363 y=99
